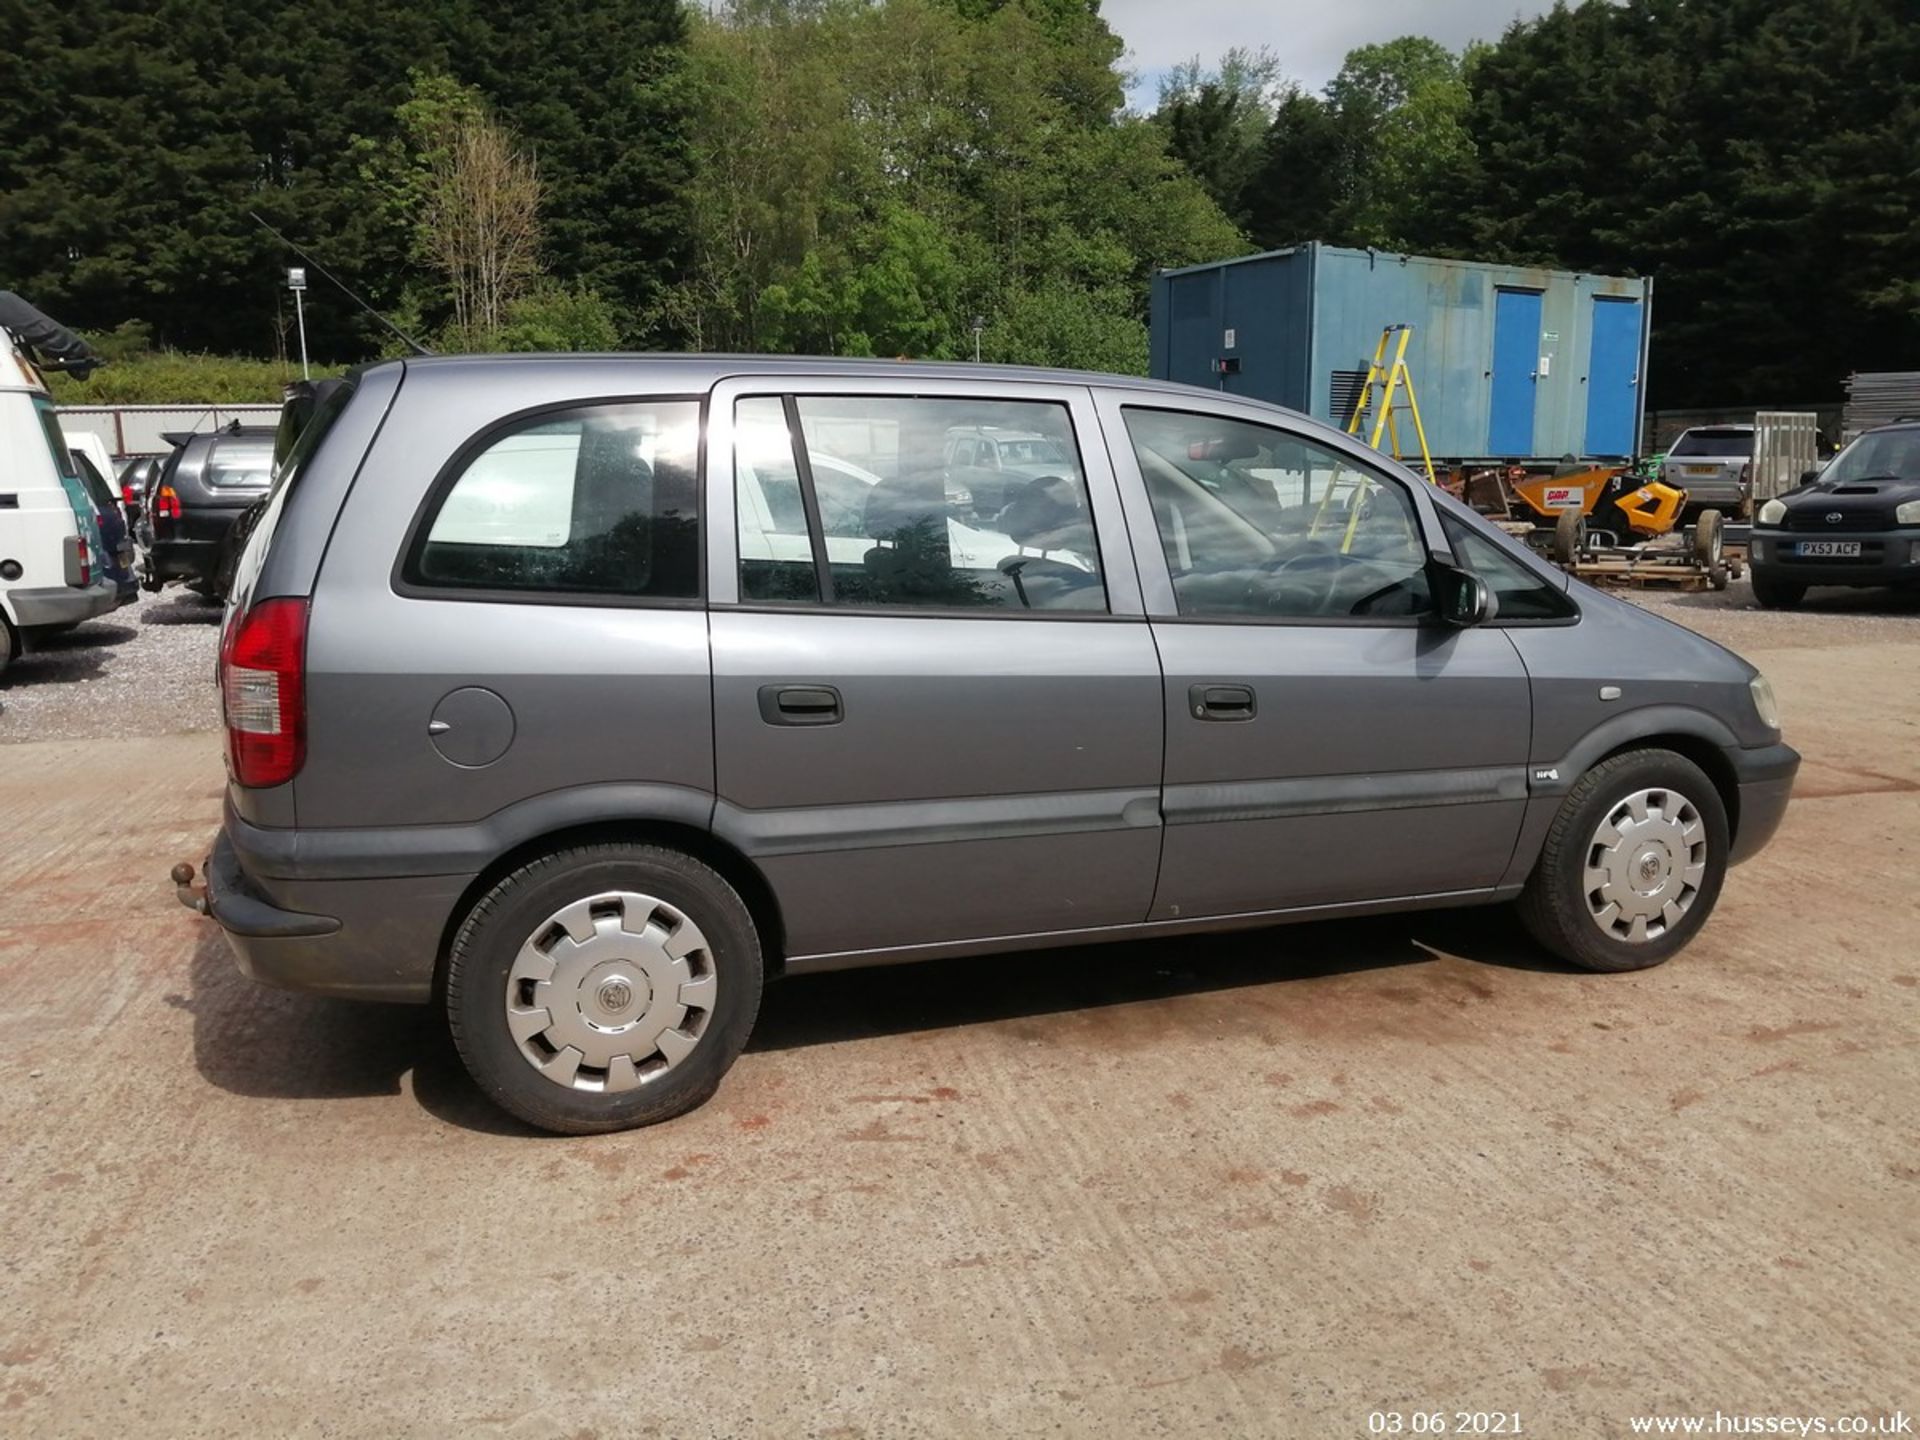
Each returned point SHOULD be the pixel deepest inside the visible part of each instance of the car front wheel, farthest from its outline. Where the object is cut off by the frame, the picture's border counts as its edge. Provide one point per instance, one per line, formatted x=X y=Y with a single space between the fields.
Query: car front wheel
x=1776 y=594
x=1632 y=864
x=604 y=987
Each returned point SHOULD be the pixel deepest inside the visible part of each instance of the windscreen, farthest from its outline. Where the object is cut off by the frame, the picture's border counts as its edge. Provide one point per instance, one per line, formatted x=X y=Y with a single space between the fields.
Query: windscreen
x=1878 y=455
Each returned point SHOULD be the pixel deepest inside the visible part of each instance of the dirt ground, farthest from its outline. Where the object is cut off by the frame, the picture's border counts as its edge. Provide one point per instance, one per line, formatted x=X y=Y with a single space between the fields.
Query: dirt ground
x=1266 y=1185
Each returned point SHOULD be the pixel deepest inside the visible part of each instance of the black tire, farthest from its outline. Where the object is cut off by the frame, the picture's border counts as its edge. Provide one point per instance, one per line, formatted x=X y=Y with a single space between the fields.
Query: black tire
x=1708 y=541
x=484 y=952
x=1554 y=906
x=1569 y=536
x=9 y=644
x=1773 y=593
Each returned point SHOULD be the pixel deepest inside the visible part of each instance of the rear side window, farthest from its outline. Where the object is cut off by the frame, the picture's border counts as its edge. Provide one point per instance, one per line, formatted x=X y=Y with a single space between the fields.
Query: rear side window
x=600 y=500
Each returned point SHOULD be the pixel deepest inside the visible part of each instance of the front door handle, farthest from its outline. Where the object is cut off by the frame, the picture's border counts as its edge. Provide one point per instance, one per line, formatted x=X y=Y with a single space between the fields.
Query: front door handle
x=800 y=705
x=1221 y=702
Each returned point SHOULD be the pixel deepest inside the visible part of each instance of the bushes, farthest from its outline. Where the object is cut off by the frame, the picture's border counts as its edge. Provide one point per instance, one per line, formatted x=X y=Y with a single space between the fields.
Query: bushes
x=167 y=377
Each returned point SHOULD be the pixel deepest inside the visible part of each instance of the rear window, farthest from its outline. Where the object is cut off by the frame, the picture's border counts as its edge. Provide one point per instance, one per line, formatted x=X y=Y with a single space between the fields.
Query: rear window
x=239 y=466
x=95 y=482
x=1724 y=444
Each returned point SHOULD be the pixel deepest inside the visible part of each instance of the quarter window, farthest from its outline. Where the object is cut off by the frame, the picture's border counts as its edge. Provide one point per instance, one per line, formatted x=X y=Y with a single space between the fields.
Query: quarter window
x=1262 y=523
x=602 y=500
x=1523 y=593
x=904 y=520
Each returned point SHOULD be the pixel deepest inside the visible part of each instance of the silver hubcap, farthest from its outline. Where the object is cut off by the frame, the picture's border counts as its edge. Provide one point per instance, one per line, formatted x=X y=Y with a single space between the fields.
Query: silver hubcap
x=611 y=992
x=1645 y=866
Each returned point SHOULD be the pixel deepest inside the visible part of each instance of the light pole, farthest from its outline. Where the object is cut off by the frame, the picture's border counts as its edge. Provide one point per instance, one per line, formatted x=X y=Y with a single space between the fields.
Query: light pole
x=297 y=282
x=979 y=324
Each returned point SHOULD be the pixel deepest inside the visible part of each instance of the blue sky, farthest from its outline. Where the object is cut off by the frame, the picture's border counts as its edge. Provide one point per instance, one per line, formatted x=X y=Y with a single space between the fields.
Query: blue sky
x=1311 y=37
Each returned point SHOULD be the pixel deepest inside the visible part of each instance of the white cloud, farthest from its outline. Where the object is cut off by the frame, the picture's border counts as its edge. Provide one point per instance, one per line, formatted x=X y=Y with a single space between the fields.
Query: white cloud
x=1311 y=37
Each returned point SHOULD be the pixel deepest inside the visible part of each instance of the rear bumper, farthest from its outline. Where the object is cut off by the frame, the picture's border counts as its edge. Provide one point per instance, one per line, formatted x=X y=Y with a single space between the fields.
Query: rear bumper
x=350 y=939
x=1887 y=557
x=1765 y=779
x=62 y=604
x=182 y=559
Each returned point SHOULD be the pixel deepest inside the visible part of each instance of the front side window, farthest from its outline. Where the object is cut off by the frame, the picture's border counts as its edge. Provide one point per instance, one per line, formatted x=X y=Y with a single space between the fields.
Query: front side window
x=602 y=500
x=905 y=521
x=1261 y=523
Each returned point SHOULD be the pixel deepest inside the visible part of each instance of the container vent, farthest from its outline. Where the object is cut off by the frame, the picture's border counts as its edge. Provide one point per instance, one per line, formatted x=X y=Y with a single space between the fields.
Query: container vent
x=1343 y=393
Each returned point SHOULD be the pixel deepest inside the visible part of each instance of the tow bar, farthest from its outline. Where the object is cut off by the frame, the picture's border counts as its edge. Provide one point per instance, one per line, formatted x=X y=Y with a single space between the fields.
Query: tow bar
x=194 y=897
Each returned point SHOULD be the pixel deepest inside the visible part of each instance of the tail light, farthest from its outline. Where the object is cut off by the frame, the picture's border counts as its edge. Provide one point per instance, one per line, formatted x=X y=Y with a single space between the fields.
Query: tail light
x=166 y=504
x=263 y=662
x=79 y=561
x=130 y=498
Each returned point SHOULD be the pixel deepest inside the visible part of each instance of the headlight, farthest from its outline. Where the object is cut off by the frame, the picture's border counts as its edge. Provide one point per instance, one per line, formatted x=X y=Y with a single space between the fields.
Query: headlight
x=1774 y=512
x=1907 y=514
x=1764 y=704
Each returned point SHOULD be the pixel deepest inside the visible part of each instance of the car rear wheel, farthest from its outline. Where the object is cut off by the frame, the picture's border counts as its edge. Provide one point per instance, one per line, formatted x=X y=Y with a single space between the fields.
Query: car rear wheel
x=1632 y=864
x=1777 y=594
x=604 y=987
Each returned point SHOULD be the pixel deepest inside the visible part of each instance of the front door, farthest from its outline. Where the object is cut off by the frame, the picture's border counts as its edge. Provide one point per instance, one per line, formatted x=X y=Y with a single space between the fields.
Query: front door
x=932 y=725
x=1516 y=371
x=1327 y=741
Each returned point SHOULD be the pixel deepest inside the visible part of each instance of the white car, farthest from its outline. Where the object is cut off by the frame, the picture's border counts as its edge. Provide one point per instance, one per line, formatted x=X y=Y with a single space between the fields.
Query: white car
x=51 y=571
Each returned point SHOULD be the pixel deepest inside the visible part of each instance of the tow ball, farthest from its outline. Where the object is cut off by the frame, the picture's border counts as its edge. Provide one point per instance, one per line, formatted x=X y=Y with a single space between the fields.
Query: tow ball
x=194 y=897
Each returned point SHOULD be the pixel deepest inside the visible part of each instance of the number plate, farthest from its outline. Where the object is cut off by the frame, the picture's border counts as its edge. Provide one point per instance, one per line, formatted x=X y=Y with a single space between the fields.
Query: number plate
x=1701 y=469
x=1837 y=549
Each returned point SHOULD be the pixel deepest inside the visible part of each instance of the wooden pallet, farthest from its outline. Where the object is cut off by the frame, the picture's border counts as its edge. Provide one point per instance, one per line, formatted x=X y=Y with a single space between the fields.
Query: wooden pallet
x=1672 y=573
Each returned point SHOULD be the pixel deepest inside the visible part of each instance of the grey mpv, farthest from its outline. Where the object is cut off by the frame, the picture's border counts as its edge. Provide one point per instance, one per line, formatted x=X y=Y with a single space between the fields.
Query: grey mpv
x=580 y=694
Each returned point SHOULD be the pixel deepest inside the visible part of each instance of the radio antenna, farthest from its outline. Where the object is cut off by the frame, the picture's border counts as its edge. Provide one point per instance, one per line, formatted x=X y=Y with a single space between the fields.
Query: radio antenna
x=411 y=343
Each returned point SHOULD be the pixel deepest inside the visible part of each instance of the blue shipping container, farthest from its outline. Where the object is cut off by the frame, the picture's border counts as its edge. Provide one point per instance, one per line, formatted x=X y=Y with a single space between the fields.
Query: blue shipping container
x=1509 y=361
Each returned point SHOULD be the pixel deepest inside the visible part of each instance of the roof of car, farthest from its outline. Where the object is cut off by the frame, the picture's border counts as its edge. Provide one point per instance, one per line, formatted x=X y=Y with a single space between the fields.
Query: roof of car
x=700 y=371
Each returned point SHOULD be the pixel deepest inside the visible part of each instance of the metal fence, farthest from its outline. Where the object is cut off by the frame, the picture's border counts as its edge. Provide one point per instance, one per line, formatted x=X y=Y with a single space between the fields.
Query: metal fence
x=136 y=429
x=1785 y=447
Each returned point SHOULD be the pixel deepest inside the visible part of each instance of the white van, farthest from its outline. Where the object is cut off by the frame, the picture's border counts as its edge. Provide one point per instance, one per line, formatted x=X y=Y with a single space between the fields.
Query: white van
x=51 y=571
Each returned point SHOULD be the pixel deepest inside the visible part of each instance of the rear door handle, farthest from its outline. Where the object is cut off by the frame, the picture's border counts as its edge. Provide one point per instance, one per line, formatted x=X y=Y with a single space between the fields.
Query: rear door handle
x=800 y=705
x=1221 y=702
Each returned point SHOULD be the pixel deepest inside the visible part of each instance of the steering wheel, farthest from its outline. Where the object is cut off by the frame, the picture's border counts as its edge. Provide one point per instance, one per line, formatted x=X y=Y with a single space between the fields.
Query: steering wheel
x=1329 y=561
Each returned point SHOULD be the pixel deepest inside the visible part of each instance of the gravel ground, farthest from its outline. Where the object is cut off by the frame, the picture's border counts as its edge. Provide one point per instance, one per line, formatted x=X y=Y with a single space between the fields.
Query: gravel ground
x=146 y=669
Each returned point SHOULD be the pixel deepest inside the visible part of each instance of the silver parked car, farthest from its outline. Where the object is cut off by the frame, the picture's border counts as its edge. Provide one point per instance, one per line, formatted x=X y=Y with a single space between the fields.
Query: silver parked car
x=1714 y=465
x=579 y=694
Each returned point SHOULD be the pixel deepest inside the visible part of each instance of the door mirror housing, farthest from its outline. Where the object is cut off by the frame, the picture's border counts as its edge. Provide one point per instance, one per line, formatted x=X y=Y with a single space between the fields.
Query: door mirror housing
x=1807 y=477
x=1465 y=599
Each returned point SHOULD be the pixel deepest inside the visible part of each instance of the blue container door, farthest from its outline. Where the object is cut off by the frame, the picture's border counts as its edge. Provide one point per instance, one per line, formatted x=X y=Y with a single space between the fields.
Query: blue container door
x=1516 y=358
x=1612 y=376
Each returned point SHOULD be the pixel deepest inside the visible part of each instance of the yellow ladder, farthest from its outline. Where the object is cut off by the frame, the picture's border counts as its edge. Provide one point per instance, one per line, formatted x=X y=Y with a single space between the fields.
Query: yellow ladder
x=1391 y=378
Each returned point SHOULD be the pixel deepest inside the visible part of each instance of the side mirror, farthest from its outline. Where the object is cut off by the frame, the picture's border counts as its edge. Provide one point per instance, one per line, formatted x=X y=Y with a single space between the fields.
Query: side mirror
x=1807 y=477
x=1465 y=599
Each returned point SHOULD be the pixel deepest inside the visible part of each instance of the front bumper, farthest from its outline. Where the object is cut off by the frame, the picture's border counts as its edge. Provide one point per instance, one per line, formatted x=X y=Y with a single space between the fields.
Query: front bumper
x=62 y=604
x=1765 y=780
x=1887 y=557
x=374 y=939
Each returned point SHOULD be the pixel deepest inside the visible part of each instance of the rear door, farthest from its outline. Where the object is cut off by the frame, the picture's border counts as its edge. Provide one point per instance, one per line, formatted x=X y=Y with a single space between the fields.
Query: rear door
x=1328 y=742
x=927 y=730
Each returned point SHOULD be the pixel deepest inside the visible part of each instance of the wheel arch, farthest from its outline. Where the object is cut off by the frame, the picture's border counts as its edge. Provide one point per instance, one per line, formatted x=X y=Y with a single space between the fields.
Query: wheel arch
x=703 y=845
x=1709 y=756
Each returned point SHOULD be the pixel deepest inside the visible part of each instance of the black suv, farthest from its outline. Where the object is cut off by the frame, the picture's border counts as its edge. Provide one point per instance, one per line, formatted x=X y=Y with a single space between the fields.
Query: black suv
x=1855 y=523
x=204 y=486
